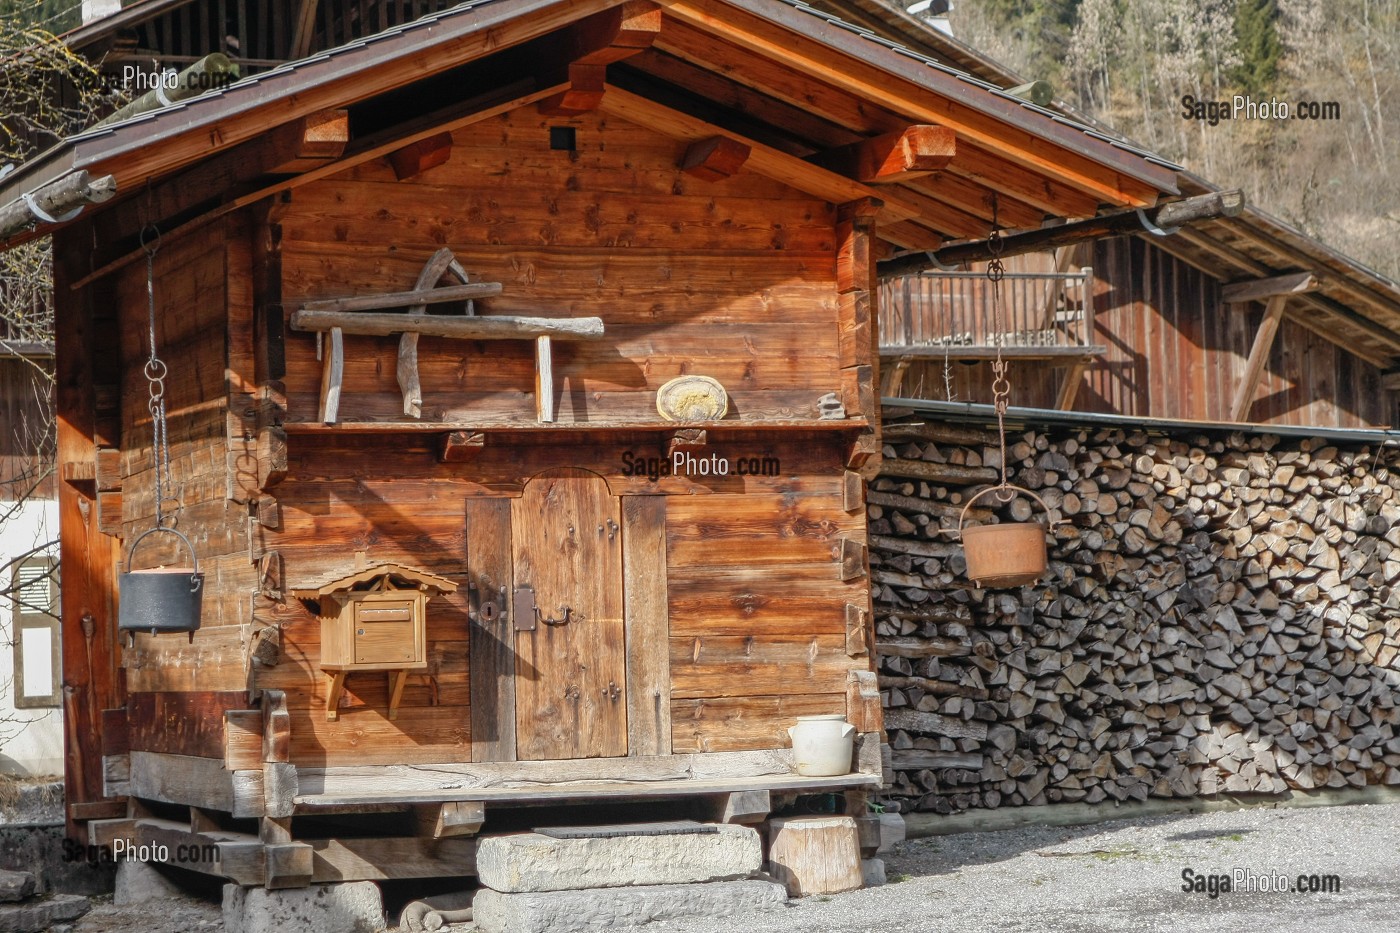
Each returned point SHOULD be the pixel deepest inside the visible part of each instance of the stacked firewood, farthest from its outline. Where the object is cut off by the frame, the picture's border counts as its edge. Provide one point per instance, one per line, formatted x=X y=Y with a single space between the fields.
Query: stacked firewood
x=1221 y=614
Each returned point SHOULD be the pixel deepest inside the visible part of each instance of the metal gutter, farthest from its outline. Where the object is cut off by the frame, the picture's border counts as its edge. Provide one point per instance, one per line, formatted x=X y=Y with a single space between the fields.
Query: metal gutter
x=978 y=413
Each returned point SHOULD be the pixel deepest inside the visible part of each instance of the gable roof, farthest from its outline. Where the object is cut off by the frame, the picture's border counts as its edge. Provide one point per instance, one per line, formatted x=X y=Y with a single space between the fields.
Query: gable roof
x=1354 y=306
x=777 y=52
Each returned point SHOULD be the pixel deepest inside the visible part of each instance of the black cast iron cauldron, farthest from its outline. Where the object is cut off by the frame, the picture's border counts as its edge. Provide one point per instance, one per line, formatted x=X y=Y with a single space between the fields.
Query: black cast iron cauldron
x=163 y=599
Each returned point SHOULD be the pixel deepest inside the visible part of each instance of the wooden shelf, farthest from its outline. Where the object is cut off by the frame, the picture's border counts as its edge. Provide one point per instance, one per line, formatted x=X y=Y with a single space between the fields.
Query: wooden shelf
x=439 y=427
x=583 y=790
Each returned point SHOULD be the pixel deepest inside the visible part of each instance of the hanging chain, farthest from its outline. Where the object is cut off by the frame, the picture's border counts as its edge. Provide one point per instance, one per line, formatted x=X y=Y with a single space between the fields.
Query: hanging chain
x=155 y=373
x=1001 y=386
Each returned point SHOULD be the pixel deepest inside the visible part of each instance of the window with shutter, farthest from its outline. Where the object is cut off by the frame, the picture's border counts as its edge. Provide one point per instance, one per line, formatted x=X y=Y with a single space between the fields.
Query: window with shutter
x=34 y=596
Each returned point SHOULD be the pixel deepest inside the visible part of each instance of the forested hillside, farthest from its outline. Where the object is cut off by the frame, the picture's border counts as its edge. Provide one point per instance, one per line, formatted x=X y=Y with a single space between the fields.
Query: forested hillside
x=1129 y=63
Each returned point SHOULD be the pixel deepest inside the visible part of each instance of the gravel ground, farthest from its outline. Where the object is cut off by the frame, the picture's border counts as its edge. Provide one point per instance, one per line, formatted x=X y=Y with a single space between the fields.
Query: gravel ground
x=1114 y=877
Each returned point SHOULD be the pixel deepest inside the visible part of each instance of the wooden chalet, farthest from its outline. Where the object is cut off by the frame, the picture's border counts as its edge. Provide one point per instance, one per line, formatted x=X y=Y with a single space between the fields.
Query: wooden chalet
x=417 y=295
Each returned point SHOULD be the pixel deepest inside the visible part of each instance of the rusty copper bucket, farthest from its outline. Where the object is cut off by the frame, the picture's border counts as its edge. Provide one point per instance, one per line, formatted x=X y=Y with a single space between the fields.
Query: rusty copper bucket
x=1005 y=555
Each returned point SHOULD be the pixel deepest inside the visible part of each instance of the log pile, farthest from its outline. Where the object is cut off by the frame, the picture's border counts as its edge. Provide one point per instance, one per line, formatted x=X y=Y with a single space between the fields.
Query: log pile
x=1221 y=614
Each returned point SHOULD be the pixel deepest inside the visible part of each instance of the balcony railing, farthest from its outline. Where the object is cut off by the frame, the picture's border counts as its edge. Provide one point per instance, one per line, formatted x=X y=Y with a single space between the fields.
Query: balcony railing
x=951 y=314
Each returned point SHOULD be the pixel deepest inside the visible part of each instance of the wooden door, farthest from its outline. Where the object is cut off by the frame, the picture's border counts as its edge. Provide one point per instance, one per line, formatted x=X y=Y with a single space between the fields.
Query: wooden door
x=570 y=675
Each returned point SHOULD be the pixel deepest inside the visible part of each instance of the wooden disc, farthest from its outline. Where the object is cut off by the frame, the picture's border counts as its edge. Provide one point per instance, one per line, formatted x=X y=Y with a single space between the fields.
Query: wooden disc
x=692 y=398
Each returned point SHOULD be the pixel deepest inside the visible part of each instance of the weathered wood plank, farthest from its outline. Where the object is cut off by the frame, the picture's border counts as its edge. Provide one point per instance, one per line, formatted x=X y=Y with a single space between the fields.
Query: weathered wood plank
x=731 y=724
x=644 y=534
x=196 y=782
x=489 y=576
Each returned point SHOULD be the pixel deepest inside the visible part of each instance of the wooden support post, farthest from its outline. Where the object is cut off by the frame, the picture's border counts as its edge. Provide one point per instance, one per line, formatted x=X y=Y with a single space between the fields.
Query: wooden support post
x=894 y=378
x=332 y=376
x=333 y=694
x=544 y=379
x=396 y=681
x=455 y=818
x=745 y=806
x=1258 y=356
x=1074 y=377
x=857 y=334
x=89 y=559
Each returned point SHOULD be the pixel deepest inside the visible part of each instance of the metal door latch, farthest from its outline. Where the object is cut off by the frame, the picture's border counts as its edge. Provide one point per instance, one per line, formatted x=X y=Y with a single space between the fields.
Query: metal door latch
x=525 y=612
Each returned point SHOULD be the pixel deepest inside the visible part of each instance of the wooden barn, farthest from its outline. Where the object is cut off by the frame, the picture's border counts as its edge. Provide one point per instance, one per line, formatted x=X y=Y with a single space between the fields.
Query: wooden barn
x=469 y=552
x=1238 y=317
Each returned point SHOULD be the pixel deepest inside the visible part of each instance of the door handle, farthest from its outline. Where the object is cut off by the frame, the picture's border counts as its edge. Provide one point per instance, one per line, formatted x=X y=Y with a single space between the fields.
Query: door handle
x=565 y=611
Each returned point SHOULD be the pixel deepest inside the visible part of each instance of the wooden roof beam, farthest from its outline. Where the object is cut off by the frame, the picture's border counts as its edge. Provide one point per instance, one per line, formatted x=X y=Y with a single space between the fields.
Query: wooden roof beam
x=976 y=199
x=765 y=160
x=419 y=156
x=1259 y=289
x=915 y=152
x=924 y=94
x=302 y=144
x=1331 y=310
x=715 y=158
x=595 y=43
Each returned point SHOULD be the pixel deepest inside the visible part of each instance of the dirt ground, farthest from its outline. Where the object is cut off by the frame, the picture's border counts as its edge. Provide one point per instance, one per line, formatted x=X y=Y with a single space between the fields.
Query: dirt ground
x=1107 y=878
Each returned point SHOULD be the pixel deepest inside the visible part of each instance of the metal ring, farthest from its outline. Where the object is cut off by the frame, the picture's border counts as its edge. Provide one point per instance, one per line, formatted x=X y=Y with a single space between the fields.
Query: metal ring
x=150 y=250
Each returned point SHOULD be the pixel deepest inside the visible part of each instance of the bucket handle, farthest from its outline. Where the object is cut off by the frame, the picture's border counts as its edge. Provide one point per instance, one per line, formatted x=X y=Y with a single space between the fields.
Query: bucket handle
x=131 y=554
x=962 y=516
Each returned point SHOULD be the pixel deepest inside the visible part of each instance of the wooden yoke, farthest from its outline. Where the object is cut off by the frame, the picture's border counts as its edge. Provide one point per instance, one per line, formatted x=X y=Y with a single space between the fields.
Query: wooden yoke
x=339 y=316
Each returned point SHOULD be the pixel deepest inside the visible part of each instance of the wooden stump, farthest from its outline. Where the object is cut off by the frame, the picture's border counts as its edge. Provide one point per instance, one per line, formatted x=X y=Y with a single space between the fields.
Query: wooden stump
x=814 y=854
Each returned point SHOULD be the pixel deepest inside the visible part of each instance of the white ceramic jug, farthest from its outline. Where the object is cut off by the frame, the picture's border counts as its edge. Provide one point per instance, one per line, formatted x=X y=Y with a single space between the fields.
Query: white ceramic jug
x=822 y=745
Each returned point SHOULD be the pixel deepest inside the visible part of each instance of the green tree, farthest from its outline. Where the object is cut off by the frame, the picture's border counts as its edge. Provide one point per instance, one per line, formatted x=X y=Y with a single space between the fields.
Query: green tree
x=1260 y=48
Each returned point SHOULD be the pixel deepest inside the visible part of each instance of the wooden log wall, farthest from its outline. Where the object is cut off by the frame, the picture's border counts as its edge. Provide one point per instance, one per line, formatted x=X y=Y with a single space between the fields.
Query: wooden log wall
x=1174 y=351
x=611 y=229
x=1221 y=614
x=176 y=685
x=755 y=588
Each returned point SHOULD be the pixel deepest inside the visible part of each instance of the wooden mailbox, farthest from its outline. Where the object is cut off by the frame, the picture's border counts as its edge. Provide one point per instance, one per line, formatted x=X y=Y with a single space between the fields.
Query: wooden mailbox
x=375 y=620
